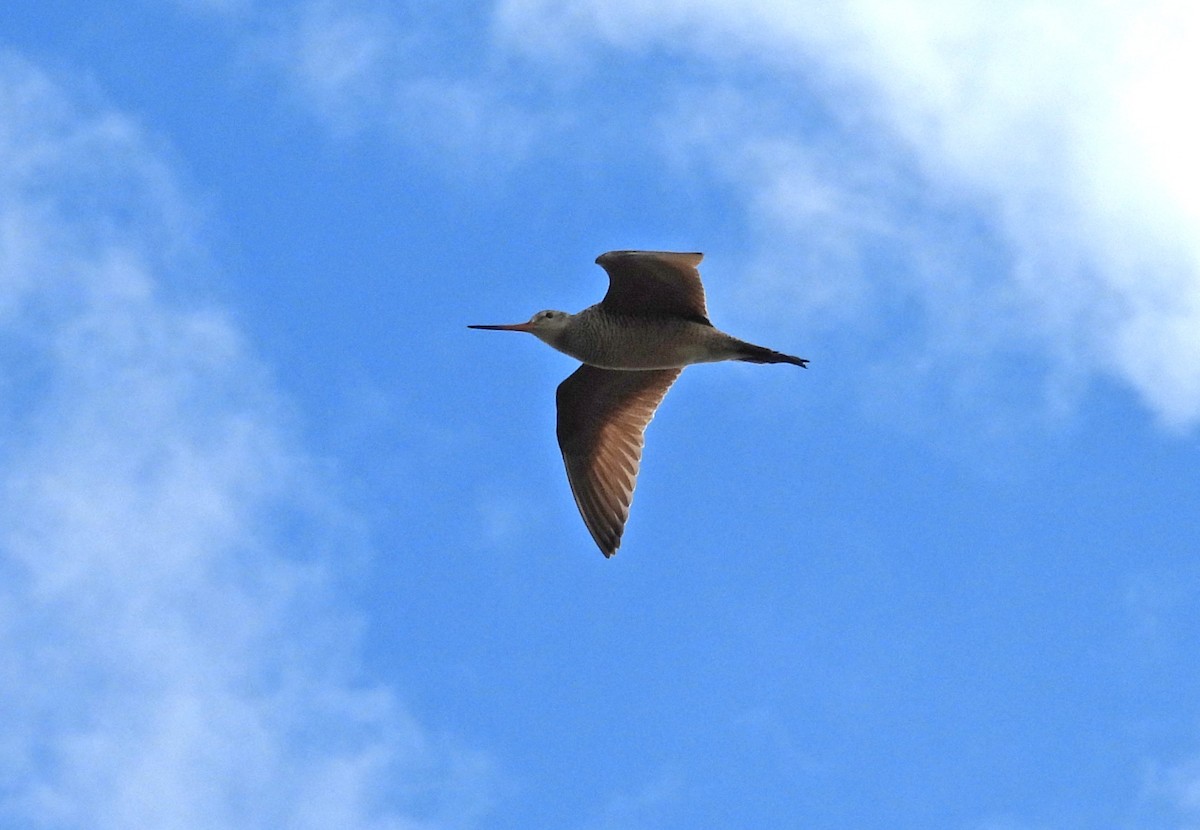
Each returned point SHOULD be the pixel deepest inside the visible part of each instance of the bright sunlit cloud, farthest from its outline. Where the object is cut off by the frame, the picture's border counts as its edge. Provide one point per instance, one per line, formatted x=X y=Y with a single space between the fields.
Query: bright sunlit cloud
x=173 y=657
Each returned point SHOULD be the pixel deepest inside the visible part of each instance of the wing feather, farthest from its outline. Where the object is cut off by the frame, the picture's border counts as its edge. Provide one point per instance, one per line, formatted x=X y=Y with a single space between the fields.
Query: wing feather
x=602 y=418
x=654 y=283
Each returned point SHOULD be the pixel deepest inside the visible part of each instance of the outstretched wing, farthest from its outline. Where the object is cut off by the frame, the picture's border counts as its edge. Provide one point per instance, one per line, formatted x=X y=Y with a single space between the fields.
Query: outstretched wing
x=602 y=416
x=651 y=283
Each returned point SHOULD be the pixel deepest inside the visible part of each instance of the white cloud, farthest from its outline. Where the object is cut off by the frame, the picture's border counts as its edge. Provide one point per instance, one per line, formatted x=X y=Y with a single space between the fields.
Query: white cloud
x=173 y=655
x=1062 y=126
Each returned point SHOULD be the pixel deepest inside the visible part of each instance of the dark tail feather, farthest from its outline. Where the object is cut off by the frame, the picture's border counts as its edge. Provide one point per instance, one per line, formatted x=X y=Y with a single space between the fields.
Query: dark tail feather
x=757 y=354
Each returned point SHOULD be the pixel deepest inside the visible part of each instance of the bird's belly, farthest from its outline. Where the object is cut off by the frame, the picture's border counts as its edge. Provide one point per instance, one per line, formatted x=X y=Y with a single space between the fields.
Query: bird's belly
x=653 y=348
x=673 y=356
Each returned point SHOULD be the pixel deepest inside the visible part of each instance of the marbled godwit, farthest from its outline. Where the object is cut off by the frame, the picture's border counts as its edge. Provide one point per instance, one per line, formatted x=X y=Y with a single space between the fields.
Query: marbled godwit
x=633 y=344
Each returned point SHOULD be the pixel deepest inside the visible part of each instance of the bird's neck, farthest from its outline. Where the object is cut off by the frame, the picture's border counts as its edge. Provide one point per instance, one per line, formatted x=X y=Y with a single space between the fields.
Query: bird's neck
x=562 y=336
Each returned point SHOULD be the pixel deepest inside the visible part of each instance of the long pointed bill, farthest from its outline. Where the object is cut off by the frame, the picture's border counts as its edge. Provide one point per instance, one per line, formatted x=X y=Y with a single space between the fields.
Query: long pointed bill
x=510 y=327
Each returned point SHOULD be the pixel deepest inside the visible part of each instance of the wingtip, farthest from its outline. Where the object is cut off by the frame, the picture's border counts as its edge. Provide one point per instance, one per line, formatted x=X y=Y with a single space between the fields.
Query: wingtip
x=609 y=546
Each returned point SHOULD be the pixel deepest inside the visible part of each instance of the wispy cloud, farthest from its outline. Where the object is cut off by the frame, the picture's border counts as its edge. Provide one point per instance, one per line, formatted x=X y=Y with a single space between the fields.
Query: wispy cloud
x=173 y=652
x=1058 y=128
x=650 y=805
x=1170 y=795
x=366 y=67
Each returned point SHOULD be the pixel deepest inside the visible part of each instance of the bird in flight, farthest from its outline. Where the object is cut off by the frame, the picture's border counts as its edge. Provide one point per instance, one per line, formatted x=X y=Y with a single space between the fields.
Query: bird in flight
x=633 y=344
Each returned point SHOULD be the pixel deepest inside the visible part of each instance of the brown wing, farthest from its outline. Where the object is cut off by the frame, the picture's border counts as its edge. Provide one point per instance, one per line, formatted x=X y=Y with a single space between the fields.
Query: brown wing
x=654 y=283
x=602 y=415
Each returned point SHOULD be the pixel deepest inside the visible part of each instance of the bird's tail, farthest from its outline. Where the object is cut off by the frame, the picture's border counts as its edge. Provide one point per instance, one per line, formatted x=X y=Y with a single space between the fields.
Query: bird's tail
x=758 y=354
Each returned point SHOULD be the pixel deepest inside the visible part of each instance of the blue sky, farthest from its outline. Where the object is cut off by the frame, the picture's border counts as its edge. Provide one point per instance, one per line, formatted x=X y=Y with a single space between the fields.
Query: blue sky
x=283 y=544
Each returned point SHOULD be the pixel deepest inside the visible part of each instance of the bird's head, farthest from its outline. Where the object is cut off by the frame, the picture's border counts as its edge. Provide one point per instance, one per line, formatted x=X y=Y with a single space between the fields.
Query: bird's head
x=546 y=326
